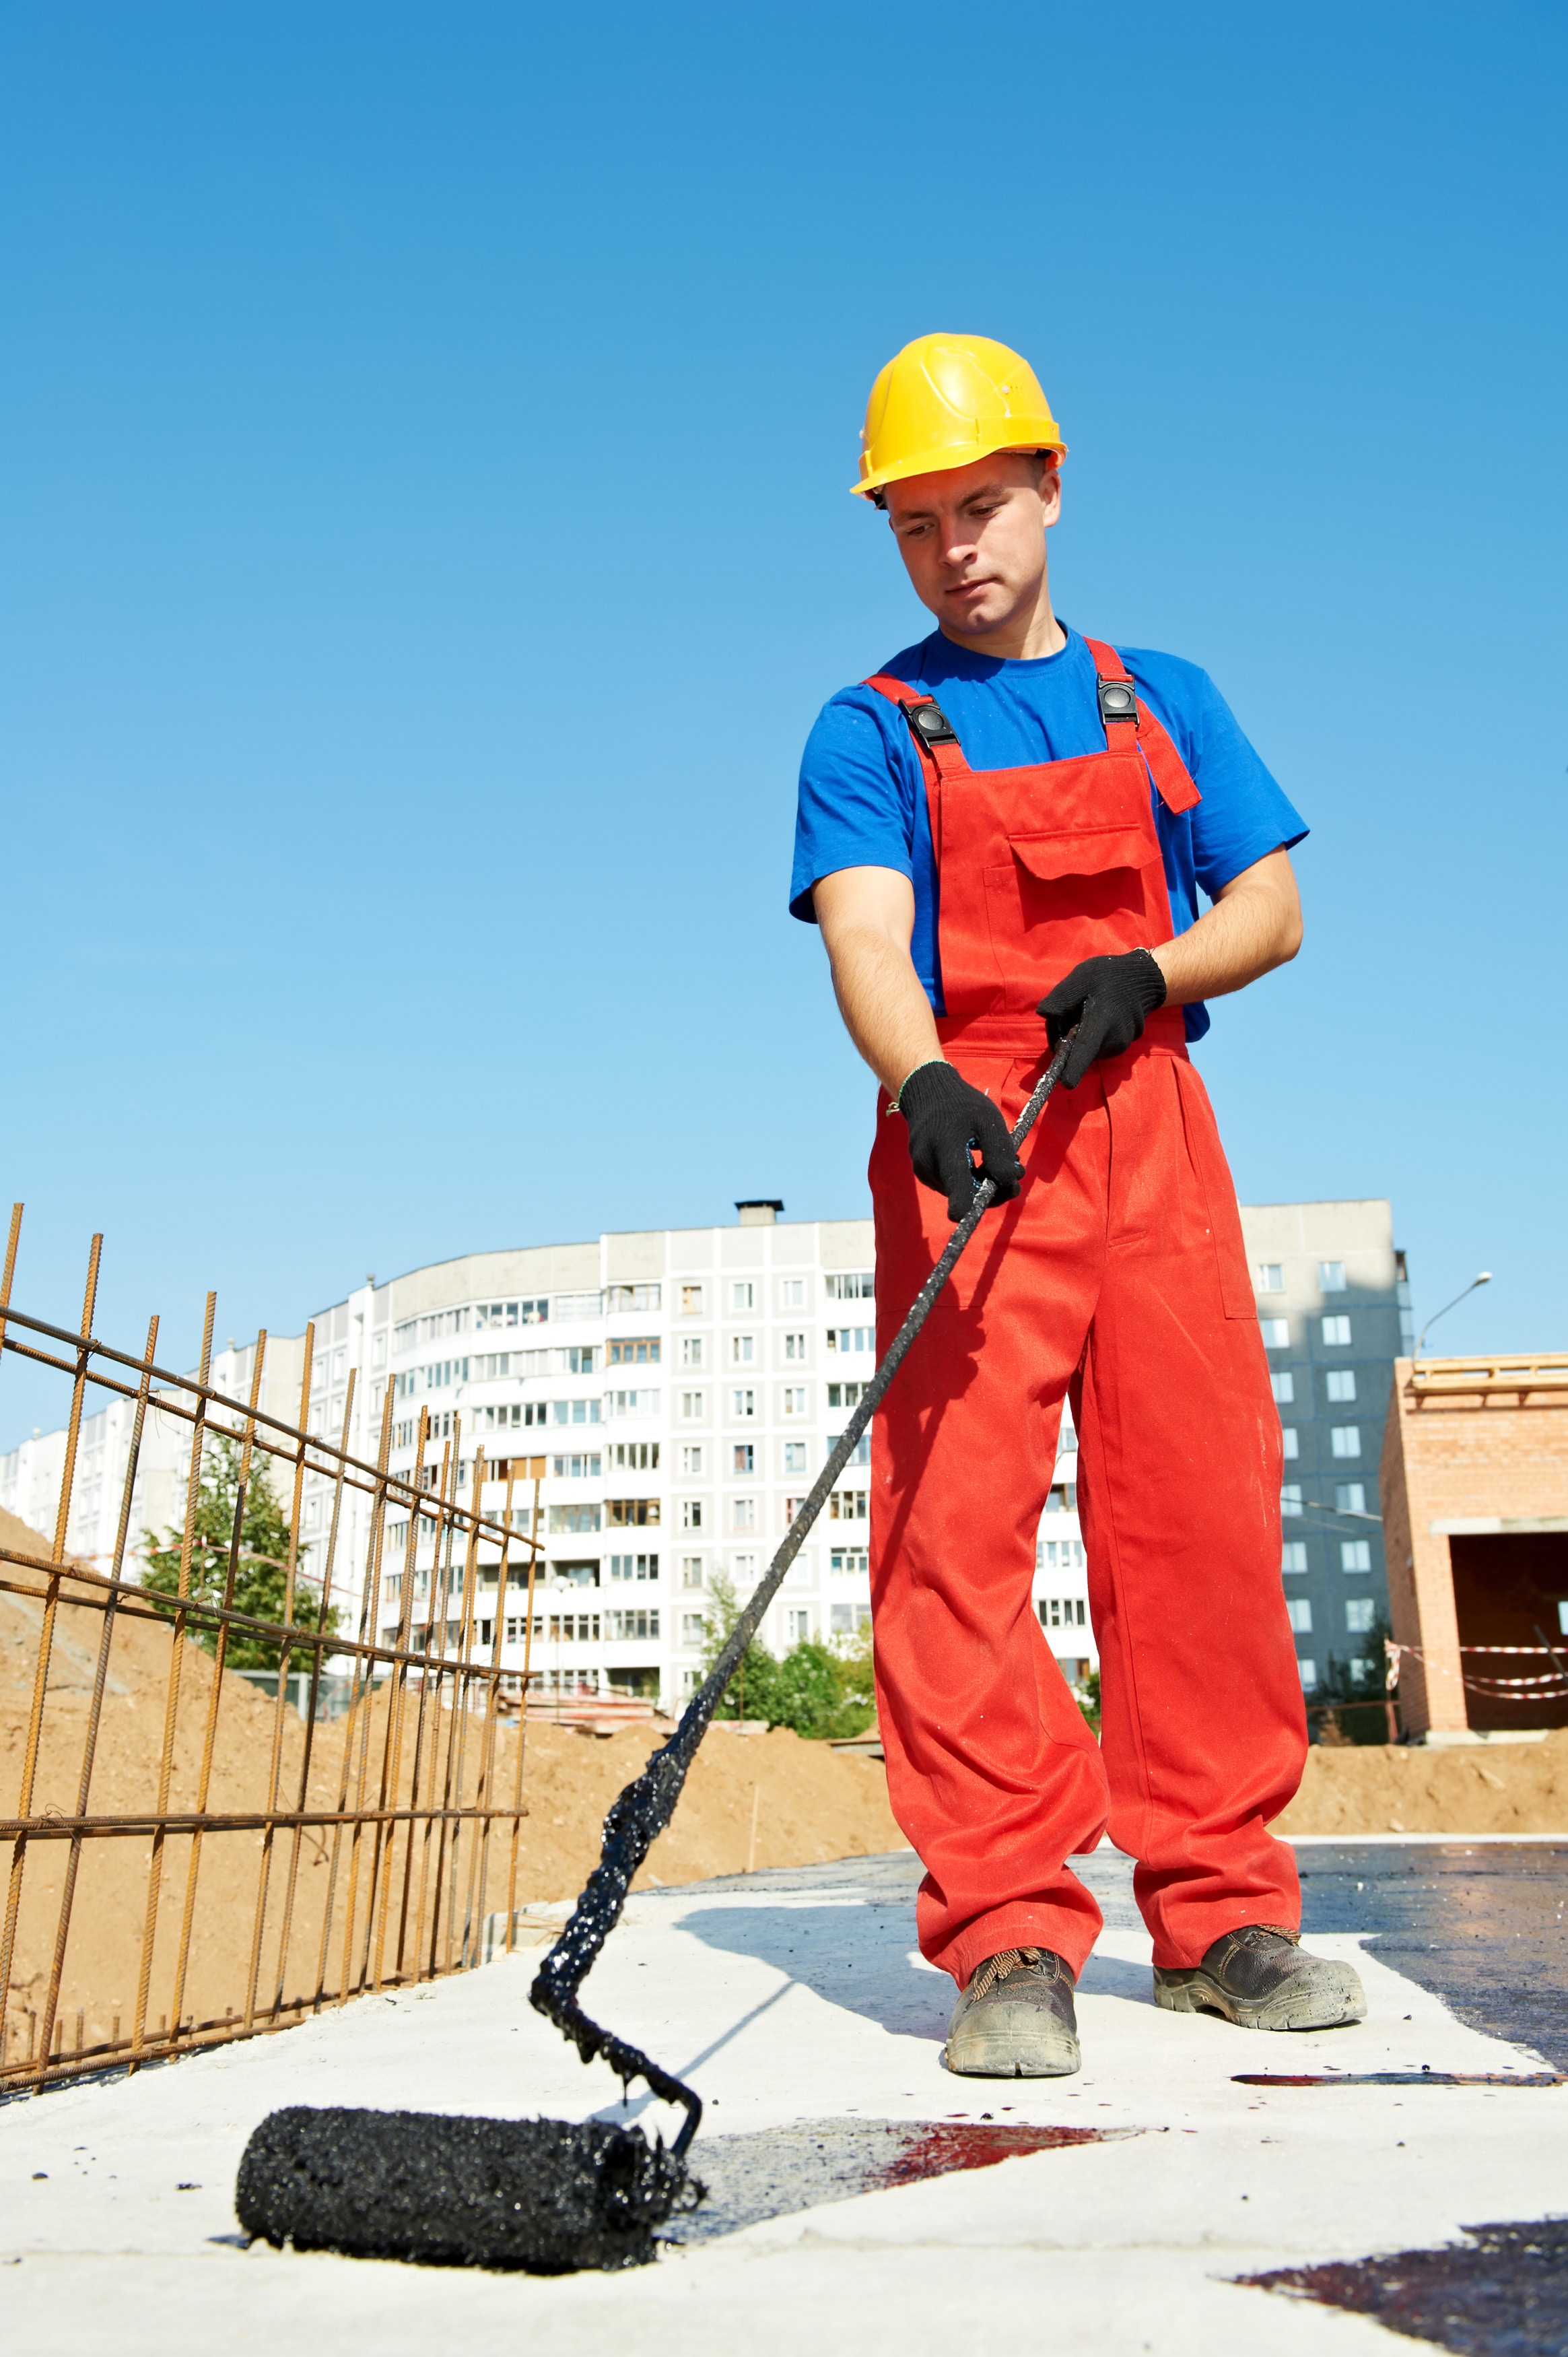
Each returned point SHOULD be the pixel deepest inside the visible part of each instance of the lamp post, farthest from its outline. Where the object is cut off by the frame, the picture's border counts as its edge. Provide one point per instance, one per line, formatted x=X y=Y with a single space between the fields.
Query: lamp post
x=1484 y=1278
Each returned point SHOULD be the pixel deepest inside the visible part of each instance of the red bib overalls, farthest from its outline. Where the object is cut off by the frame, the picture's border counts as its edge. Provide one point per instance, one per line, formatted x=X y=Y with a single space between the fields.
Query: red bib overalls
x=1118 y=1278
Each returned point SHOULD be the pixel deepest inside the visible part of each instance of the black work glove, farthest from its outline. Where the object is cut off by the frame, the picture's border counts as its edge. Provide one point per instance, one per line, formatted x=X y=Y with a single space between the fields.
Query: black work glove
x=946 y=1118
x=1110 y=999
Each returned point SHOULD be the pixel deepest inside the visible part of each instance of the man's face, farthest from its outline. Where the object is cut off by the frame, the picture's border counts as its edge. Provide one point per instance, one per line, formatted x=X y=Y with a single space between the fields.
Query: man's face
x=973 y=539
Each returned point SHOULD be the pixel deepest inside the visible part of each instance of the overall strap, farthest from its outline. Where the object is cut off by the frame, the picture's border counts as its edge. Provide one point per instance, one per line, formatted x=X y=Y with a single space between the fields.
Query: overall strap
x=1131 y=726
x=933 y=732
x=936 y=739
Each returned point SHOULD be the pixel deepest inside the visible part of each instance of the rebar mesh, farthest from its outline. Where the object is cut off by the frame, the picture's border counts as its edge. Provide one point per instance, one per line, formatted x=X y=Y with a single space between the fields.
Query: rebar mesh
x=263 y=1858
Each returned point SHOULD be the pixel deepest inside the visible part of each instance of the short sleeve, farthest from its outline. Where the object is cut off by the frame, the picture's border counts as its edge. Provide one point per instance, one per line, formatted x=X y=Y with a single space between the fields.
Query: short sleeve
x=857 y=795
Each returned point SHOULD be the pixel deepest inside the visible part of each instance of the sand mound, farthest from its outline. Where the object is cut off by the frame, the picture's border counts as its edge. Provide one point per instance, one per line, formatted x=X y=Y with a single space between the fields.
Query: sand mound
x=1498 y=1787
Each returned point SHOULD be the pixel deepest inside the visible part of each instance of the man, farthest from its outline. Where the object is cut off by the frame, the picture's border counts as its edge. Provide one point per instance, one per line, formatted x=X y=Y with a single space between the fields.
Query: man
x=1001 y=835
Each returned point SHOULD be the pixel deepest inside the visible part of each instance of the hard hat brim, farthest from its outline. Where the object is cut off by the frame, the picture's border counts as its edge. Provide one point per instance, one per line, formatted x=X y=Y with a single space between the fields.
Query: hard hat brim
x=1021 y=436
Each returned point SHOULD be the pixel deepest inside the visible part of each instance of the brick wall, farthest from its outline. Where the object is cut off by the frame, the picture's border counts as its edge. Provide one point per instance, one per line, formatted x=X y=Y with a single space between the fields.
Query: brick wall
x=1456 y=1459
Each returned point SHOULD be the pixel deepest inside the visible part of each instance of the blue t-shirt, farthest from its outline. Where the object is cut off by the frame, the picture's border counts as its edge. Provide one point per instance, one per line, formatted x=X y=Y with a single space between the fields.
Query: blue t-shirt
x=863 y=793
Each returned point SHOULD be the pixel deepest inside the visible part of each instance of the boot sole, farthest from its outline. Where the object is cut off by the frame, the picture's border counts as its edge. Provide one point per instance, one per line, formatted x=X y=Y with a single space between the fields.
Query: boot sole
x=998 y=2057
x=1333 y=2007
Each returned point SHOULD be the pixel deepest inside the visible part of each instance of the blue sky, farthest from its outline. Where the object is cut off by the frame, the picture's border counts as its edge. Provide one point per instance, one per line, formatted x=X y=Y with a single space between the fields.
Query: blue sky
x=424 y=442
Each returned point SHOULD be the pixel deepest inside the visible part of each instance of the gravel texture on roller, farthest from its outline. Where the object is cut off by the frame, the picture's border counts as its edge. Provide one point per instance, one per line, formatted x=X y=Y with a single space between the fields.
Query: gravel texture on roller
x=542 y=2195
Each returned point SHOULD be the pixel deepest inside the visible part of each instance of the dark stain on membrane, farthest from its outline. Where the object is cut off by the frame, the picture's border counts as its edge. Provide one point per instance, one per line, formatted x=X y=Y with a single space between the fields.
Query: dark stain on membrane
x=1502 y=2294
x=782 y=2170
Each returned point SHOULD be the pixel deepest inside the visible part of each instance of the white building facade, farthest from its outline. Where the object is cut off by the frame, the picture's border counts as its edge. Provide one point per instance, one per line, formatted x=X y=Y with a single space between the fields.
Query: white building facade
x=683 y=1388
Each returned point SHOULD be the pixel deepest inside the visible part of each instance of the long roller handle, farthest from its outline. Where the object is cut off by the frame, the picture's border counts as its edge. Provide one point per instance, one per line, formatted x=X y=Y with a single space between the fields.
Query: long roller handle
x=641 y=1811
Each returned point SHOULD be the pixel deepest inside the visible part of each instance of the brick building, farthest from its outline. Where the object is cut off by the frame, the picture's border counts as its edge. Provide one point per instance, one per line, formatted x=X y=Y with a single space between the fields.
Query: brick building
x=1475 y=1496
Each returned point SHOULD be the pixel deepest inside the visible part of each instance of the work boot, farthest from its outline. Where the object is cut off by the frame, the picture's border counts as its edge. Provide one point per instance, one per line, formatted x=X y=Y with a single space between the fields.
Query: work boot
x=1015 y=2019
x=1261 y=1978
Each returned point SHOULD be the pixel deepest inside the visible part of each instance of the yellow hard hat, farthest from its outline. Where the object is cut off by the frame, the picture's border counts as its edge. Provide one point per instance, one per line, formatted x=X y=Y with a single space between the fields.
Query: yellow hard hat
x=946 y=401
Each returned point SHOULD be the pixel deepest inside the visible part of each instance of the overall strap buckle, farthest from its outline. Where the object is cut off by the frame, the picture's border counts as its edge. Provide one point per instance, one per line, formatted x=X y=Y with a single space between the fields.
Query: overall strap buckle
x=928 y=721
x=1118 y=701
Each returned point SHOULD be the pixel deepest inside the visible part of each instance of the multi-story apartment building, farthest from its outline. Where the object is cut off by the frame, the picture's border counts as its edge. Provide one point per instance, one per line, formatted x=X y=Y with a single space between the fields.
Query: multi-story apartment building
x=30 y=1474
x=683 y=1389
x=1333 y=1302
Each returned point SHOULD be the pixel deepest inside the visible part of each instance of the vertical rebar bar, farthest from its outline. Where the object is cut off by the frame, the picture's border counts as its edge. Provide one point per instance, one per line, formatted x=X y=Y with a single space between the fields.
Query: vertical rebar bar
x=47 y=1628
x=171 y=1706
x=361 y=1701
x=517 y=1811
x=100 y=1680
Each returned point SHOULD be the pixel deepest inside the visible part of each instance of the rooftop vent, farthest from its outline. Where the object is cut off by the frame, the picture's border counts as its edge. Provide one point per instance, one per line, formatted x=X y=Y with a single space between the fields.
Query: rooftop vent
x=760 y=1212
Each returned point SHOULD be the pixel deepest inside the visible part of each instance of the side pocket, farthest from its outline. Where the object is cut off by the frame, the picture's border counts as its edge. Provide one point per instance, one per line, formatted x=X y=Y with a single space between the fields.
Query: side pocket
x=1218 y=1194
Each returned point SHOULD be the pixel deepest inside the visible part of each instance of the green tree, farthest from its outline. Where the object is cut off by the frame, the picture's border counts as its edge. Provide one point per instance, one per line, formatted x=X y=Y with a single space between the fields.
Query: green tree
x=262 y=1571
x=753 y=1681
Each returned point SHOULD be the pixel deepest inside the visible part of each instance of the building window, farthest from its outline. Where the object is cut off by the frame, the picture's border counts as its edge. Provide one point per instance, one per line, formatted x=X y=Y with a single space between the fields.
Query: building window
x=1059 y=1555
x=1276 y=1333
x=794 y=1346
x=851 y=1285
x=1308 y=1669
x=859 y=1455
x=1283 y=1388
x=692 y=1457
x=844 y=1394
x=1292 y=1446
x=795 y=1399
x=691 y=1513
x=578 y=1305
x=791 y=1292
x=1345 y=1439
x=691 y=1351
x=634 y=1566
x=794 y=1457
x=1060 y=1612
x=574 y=1517
x=800 y=1626
x=791 y=1508
x=852 y=1339
x=575 y=1469
x=847 y=1506
x=639 y=1351
x=693 y=1406
x=742 y=1350
x=629 y=1513
x=632 y=1297
x=693 y=1628
x=1331 y=1276
x=743 y=1403
x=691 y=1571
x=1362 y=1670
x=640 y=1403
x=1290 y=1498
x=575 y=1410
x=1350 y=1497
x=640 y=1623
x=745 y=1456
x=634 y=1455
x=847 y=1617
x=1358 y=1610
x=1294 y=1556
x=1341 y=1384
x=1271 y=1276
x=1336 y=1333
x=743 y=1294
x=742 y=1514
x=850 y=1561
x=1356 y=1555
x=1299 y=1610
x=691 y=1301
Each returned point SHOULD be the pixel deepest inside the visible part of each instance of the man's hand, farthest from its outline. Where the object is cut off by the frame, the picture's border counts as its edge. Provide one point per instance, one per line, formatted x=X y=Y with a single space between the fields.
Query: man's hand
x=1110 y=999
x=946 y=1118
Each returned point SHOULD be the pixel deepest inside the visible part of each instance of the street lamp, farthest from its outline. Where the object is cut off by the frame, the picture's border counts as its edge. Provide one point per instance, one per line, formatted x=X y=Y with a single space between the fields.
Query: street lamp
x=1484 y=1278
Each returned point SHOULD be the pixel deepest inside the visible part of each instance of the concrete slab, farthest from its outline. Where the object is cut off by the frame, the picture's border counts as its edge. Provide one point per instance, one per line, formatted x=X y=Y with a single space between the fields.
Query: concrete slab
x=793 y=1997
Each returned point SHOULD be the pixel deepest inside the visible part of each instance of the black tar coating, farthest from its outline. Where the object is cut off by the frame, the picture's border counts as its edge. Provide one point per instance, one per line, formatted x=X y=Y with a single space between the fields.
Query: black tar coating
x=545 y=2195
x=1503 y=2295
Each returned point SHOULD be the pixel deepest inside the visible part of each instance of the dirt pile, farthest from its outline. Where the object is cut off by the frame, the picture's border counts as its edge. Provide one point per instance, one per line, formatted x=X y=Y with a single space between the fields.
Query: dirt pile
x=1494 y=1788
x=258 y=1914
